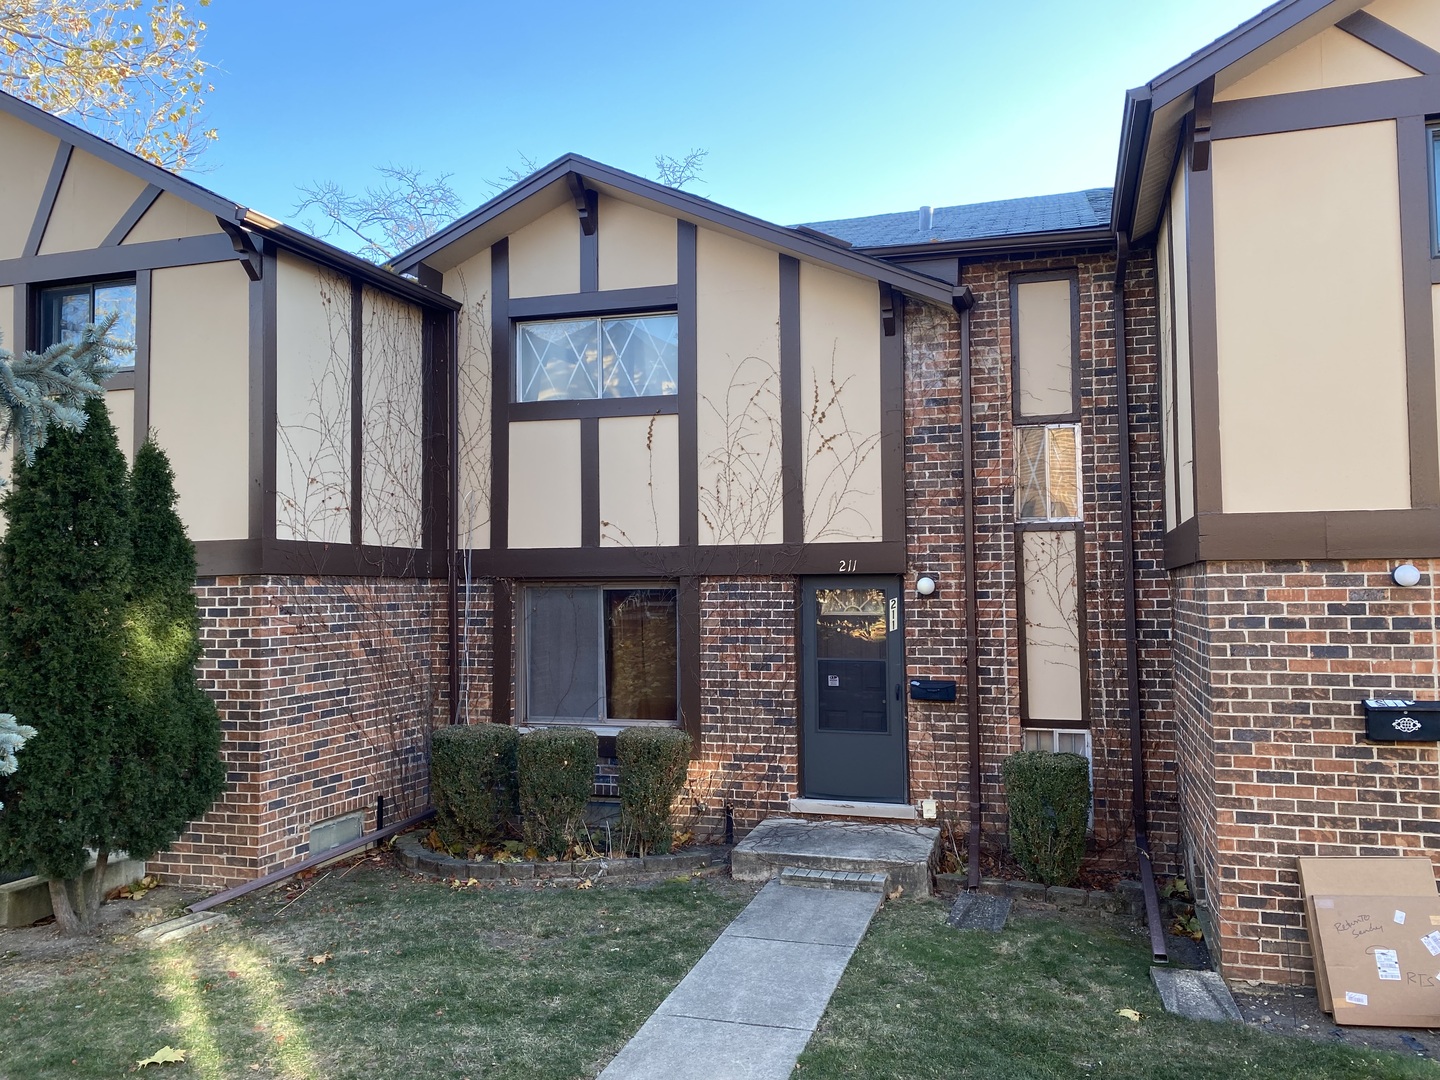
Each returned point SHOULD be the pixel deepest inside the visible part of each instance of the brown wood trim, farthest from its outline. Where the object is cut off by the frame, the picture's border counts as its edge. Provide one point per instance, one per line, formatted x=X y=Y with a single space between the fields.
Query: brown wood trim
x=143 y=294
x=892 y=421
x=589 y=222
x=590 y=482
x=792 y=405
x=47 y=200
x=1204 y=345
x=875 y=557
x=656 y=298
x=1333 y=534
x=122 y=259
x=502 y=650
x=20 y=313
x=1081 y=626
x=256 y=392
x=269 y=285
x=1330 y=107
x=501 y=370
x=593 y=408
x=121 y=380
x=1055 y=725
x=1392 y=42
x=228 y=558
x=132 y=216
x=1173 y=464
x=436 y=357
x=357 y=411
x=1413 y=148
x=691 y=646
x=686 y=308
x=1072 y=415
x=1435 y=271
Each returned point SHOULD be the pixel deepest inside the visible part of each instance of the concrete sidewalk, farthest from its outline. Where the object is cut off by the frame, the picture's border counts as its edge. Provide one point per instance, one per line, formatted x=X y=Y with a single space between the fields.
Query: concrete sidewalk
x=747 y=1009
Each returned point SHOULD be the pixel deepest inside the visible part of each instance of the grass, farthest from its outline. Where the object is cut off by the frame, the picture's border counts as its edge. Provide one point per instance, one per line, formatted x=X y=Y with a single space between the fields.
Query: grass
x=369 y=976
x=1040 y=1000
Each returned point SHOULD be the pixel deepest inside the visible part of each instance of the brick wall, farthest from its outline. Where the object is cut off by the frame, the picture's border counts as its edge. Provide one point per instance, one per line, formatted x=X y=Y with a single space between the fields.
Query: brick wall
x=1273 y=660
x=327 y=689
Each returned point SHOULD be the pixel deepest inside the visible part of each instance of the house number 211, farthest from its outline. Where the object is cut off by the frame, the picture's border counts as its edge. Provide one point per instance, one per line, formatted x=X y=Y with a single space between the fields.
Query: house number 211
x=847 y=566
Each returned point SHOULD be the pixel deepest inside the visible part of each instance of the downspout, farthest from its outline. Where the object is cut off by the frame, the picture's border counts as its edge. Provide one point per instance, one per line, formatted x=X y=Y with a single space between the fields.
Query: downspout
x=964 y=301
x=1132 y=647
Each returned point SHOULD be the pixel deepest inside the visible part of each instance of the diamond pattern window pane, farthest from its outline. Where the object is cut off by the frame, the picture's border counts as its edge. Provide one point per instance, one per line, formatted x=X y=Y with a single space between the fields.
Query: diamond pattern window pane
x=640 y=356
x=584 y=359
x=1047 y=480
x=558 y=361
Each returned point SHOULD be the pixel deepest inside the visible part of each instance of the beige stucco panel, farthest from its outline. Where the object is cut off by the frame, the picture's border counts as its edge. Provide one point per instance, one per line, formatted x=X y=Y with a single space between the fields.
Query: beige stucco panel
x=28 y=155
x=640 y=481
x=545 y=255
x=169 y=218
x=1312 y=393
x=1184 y=377
x=637 y=246
x=392 y=404
x=545 y=484
x=1418 y=18
x=200 y=353
x=120 y=404
x=469 y=283
x=1052 y=626
x=738 y=391
x=1435 y=320
x=312 y=402
x=1330 y=58
x=1043 y=347
x=840 y=406
x=93 y=197
x=1165 y=301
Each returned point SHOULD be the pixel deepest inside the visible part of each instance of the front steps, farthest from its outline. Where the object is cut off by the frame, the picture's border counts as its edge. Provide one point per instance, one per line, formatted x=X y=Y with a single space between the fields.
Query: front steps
x=898 y=854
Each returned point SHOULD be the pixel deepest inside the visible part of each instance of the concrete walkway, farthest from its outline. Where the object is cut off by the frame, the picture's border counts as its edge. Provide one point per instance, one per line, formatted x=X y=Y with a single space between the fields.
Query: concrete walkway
x=747 y=1009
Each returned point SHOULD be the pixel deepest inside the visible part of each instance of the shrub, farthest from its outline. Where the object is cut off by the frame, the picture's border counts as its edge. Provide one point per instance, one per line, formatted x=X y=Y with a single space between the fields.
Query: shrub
x=557 y=777
x=1049 y=800
x=653 y=764
x=472 y=783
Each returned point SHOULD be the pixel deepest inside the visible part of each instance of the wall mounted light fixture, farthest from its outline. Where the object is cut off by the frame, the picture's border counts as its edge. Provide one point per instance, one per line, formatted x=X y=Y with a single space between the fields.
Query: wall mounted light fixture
x=925 y=586
x=1406 y=575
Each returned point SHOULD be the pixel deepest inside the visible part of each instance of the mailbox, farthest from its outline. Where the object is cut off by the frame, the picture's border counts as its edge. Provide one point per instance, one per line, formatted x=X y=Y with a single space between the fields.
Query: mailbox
x=1401 y=720
x=932 y=689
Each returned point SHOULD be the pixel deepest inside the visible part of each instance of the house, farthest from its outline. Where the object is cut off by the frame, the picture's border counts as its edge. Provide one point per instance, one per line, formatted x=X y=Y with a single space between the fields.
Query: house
x=864 y=505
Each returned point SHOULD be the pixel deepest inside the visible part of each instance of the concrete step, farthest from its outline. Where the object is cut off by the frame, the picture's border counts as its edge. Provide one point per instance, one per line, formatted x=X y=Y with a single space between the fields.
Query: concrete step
x=900 y=852
x=851 y=880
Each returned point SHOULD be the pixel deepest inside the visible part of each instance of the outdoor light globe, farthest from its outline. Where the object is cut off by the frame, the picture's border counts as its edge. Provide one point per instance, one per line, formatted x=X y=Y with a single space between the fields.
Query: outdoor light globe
x=1406 y=574
x=925 y=586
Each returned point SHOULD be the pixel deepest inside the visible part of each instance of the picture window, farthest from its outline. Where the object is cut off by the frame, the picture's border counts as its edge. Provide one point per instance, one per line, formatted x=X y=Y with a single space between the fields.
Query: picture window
x=624 y=356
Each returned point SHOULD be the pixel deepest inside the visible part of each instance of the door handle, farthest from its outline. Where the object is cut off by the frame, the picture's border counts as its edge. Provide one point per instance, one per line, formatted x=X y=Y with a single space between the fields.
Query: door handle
x=897 y=692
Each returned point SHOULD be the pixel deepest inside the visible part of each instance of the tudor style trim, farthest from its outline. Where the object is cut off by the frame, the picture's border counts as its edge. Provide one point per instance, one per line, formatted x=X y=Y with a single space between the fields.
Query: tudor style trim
x=47 y=200
x=501 y=366
x=590 y=482
x=1413 y=150
x=1392 y=42
x=120 y=259
x=231 y=558
x=691 y=615
x=502 y=654
x=879 y=557
x=658 y=298
x=132 y=216
x=892 y=418
x=1320 y=534
x=143 y=294
x=269 y=405
x=792 y=450
x=1204 y=344
x=688 y=400
x=1335 y=106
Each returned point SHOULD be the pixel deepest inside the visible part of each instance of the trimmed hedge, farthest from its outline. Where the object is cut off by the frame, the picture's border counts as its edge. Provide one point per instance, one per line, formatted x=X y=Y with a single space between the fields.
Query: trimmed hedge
x=653 y=765
x=1049 y=801
x=472 y=783
x=557 y=778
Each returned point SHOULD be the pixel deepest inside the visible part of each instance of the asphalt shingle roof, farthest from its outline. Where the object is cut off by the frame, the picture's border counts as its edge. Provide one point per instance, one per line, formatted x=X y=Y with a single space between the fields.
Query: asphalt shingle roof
x=1007 y=217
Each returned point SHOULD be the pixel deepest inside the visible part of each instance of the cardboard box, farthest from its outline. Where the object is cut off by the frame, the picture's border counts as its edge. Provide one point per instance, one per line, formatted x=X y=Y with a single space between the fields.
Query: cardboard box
x=1382 y=957
x=1383 y=876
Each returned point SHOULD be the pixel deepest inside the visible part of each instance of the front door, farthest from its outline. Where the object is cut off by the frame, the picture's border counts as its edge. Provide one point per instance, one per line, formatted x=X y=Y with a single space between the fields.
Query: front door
x=853 y=660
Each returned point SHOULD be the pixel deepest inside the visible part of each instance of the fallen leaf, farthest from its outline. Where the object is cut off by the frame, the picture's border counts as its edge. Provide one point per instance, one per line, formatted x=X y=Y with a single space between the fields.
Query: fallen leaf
x=1129 y=1014
x=166 y=1055
x=588 y=883
x=320 y=959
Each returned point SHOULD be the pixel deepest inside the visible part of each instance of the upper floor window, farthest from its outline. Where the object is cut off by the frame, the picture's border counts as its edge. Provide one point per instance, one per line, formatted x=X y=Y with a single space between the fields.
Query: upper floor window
x=1047 y=472
x=622 y=356
x=66 y=309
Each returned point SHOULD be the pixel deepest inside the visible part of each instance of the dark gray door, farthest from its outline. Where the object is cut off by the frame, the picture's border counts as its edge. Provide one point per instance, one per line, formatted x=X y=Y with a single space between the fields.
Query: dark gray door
x=853 y=670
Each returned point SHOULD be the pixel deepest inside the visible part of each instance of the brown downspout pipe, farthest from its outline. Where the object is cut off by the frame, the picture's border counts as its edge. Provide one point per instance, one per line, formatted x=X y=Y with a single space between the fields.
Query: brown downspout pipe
x=964 y=301
x=1132 y=647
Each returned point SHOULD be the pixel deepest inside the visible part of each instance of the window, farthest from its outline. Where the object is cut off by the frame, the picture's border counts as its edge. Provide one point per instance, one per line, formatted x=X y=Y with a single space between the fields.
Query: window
x=1047 y=473
x=600 y=655
x=66 y=309
x=624 y=356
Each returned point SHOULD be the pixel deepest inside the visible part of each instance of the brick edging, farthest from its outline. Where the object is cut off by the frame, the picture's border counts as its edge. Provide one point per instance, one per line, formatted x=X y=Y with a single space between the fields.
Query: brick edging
x=414 y=855
x=1124 y=899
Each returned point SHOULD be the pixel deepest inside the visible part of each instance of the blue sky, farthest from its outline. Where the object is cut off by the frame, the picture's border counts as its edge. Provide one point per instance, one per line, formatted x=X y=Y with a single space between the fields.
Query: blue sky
x=809 y=111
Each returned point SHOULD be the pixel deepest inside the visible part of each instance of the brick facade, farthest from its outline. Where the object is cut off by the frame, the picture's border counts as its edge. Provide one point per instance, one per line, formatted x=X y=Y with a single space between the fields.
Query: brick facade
x=327 y=688
x=1272 y=662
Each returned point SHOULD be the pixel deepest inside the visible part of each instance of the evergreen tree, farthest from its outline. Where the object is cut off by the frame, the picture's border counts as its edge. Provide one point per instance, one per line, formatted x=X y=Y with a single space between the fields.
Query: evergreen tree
x=64 y=581
x=167 y=762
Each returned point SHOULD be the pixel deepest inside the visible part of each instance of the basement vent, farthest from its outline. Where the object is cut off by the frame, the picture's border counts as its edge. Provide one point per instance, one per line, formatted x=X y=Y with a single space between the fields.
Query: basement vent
x=338 y=830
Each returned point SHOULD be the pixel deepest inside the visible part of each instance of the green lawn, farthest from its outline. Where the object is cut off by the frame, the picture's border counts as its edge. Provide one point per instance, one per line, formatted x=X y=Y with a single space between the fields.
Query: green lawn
x=372 y=976
x=1040 y=1000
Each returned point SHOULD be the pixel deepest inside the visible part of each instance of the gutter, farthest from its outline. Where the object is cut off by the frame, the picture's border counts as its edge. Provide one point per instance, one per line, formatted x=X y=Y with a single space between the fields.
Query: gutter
x=1132 y=647
x=1054 y=240
x=963 y=302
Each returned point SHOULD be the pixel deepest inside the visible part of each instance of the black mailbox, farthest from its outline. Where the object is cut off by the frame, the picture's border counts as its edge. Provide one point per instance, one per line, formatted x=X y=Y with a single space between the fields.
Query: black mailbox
x=932 y=689
x=1401 y=720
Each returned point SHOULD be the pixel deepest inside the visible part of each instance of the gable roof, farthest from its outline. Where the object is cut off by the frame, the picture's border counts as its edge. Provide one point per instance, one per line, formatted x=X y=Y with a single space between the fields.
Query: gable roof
x=1088 y=209
x=798 y=241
